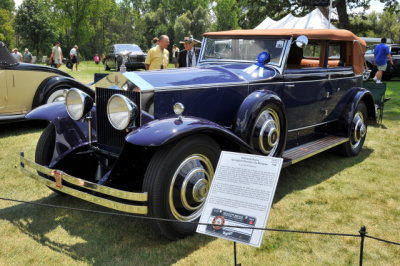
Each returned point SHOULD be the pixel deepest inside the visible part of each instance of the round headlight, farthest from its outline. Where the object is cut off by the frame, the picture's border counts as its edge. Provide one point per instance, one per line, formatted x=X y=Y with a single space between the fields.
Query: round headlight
x=179 y=108
x=121 y=111
x=78 y=103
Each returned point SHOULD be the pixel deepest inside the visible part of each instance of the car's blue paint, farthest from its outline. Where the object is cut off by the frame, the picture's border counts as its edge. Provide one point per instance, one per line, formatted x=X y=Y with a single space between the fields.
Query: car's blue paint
x=164 y=131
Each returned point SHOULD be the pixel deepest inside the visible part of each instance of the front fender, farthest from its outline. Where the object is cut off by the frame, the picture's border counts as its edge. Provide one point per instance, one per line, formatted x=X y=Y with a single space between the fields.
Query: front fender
x=250 y=108
x=70 y=134
x=51 y=83
x=163 y=131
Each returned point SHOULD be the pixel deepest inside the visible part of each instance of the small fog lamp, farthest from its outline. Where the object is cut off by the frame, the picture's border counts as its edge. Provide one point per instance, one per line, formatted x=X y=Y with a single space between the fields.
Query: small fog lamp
x=179 y=108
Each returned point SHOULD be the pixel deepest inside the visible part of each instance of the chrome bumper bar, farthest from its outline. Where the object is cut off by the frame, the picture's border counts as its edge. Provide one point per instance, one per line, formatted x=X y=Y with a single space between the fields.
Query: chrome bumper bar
x=60 y=176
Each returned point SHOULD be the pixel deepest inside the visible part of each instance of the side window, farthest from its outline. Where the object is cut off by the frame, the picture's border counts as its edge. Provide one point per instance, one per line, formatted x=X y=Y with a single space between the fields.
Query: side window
x=309 y=56
x=337 y=54
x=395 y=51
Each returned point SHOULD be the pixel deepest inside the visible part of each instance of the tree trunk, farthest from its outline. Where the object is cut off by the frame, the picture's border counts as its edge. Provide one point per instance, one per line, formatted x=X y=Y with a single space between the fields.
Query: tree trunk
x=342 y=13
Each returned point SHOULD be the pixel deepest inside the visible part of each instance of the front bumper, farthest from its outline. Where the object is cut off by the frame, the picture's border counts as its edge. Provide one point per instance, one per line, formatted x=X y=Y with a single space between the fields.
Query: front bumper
x=62 y=180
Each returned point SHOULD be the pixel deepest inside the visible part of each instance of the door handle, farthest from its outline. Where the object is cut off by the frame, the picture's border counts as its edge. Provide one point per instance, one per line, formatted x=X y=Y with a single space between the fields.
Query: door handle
x=290 y=85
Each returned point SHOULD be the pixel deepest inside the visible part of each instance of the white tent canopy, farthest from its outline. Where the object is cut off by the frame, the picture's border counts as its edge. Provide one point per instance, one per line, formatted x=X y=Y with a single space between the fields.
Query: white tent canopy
x=314 y=20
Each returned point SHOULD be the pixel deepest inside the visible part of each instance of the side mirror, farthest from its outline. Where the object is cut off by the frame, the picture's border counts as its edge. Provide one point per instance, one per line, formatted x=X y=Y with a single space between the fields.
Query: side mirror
x=301 y=41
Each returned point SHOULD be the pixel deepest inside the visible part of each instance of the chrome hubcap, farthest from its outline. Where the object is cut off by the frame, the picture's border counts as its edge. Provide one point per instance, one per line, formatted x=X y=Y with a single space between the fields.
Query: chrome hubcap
x=358 y=130
x=189 y=187
x=267 y=131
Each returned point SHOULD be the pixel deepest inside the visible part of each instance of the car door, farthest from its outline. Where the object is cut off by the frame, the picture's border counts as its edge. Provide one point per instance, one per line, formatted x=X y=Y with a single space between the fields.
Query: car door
x=395 y=53
x=3 y=90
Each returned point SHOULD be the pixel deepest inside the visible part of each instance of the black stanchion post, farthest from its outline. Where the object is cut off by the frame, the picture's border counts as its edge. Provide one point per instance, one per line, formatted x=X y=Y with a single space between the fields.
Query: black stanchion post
x=362 y=232
x=234 y=254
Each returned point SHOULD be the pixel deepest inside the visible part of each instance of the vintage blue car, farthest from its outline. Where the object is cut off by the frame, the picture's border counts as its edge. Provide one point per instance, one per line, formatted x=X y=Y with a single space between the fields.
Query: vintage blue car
x=149 y=142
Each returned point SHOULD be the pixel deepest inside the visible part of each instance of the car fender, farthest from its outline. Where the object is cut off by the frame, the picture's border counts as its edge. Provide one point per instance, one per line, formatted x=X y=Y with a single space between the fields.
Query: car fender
x=51 y=83
x=364 y=95
x=250 y=108
x=164 y=131
x=70 y=134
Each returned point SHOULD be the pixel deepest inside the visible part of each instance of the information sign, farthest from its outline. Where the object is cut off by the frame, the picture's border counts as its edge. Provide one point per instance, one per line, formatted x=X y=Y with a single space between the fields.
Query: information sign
x=240 y=197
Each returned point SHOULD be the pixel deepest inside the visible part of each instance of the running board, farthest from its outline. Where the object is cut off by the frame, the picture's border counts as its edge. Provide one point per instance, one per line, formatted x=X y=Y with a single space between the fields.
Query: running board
x=309 y=149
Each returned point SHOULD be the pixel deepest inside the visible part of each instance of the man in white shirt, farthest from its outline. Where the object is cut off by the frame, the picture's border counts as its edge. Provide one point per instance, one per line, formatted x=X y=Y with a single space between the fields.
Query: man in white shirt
x=73 y=54
x=17 y=55
x=56 y=55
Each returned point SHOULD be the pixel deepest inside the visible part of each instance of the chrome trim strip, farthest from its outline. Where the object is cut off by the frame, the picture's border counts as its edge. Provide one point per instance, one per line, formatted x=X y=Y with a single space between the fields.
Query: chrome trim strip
x=87 y=185
x=315 y=125
x=318 y=151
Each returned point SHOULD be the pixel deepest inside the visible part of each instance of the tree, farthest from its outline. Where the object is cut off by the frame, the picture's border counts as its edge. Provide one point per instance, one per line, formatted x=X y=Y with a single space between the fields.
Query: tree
x=7 y=5
x=183 y=25
x=389 y=26
x=201 y=22
x=33 y=23
x=227 y=13
x=6 y=30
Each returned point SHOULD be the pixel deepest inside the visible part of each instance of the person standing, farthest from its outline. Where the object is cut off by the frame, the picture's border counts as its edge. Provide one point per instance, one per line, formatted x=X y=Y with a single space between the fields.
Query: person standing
x=17 y=55
x=175 y=54
x=27 y=56
x=56 y=55
x=381 y=53
x=156 y=41
x=96 y=59
x=158 y=57
x=73 y=54
x=189 y=56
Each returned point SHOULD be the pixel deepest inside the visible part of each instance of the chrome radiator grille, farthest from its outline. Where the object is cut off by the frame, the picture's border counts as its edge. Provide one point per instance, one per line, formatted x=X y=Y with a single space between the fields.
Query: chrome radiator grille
x=106 y=134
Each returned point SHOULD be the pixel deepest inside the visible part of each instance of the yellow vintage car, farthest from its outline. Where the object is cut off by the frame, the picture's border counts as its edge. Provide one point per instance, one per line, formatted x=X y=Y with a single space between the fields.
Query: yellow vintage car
x=26 y=86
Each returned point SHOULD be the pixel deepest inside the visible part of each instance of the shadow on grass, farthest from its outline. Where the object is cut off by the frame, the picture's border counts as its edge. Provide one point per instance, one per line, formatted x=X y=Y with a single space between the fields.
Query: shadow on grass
x=21 y=128
x=315 y=170
x=97 y=238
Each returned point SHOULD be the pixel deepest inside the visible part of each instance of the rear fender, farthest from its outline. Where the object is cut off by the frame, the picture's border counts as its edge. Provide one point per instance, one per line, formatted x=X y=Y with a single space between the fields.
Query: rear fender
x=348 y=106
x=53 y=83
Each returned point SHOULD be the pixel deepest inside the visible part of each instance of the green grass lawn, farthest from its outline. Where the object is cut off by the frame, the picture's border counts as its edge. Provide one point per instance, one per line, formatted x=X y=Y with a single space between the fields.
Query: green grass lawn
x=325 y=193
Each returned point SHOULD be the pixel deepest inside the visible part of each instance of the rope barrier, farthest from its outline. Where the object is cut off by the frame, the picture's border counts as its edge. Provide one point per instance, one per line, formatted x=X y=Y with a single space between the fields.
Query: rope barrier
x=169 y=220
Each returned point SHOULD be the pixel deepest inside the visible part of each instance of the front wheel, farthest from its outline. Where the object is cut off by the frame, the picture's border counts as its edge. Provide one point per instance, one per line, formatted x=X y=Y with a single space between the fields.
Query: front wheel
x=357 y=132
x=177 y=180
x=267 y=134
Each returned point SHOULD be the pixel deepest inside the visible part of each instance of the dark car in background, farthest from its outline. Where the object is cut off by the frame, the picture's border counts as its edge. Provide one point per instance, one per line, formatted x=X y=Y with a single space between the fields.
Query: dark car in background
x=149 y=141
x=391 y=70
x=134 y=57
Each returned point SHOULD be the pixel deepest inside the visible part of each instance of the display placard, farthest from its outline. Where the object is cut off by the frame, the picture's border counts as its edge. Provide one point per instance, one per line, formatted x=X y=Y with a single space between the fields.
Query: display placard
x=240 y=197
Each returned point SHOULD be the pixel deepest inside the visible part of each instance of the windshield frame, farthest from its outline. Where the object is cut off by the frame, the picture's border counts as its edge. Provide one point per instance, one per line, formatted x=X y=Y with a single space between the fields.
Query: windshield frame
x=278 y=65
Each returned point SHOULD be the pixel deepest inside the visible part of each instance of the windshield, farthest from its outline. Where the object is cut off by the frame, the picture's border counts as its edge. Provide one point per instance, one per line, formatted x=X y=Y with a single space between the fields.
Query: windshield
x=127 y=47
x=243 y=49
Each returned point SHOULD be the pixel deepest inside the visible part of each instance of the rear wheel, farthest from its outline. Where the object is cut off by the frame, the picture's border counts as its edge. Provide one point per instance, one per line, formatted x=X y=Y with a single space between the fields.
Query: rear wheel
x=357 y=132
x=177 y=180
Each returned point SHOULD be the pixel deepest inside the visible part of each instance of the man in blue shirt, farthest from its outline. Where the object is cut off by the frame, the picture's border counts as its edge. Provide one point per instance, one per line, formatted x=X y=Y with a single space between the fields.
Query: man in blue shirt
x=381 y=53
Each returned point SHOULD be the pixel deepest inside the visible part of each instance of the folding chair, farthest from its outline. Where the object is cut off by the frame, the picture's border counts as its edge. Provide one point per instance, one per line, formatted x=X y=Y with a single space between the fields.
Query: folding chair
x=378 y=93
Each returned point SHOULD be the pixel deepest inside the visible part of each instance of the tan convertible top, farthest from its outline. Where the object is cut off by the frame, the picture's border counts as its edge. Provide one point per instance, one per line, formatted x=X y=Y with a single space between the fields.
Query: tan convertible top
x=312 y=34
